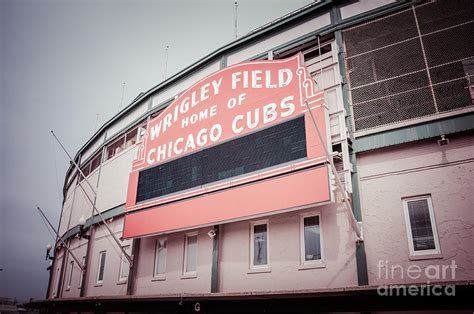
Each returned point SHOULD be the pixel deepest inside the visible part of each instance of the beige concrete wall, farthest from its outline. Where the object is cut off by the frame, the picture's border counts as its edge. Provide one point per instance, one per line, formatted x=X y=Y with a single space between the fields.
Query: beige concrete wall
x=125 y=120
x=447 y=174
x=67 y=209
x=92 y=147
x=358 y=7
x=185 y=83
x=113 y=183
x=278 y=39
x=81 y=205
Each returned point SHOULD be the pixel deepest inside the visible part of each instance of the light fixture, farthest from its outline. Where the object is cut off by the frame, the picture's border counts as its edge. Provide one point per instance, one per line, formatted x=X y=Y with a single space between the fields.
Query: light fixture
x=443 y=141
x=212 y=233
x=49 y=266
x=48 y=251
x=82 y=222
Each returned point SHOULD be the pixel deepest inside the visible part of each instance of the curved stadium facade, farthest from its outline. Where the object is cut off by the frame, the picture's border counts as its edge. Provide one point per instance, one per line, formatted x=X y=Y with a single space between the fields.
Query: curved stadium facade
x=218 y=184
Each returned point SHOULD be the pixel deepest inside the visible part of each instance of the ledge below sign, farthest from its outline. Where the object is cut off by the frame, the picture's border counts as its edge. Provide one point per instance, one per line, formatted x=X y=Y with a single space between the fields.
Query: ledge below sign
x=284 y=193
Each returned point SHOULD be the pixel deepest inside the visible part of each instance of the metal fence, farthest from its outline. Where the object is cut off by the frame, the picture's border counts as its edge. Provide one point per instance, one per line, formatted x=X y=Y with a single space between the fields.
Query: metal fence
x=415 y=63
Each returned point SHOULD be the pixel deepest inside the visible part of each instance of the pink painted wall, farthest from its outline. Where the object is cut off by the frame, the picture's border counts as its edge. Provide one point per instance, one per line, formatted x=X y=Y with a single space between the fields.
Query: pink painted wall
x=55 y=271
x=174 y=282
x=102 y=240
x=338 y=248
x=388 y=175
x=286 y=273
x=78 y=248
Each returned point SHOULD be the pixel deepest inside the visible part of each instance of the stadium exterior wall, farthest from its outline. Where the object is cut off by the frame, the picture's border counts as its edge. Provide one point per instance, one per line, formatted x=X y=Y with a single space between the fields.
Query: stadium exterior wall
x=384 y=166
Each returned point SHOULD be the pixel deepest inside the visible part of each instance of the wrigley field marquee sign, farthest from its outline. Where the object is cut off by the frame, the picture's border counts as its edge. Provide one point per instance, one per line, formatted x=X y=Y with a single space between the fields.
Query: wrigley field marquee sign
x=195 y=162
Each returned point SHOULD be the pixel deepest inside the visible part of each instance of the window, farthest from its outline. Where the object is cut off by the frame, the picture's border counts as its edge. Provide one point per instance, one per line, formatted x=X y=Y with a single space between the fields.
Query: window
x=259 y=245
x=275 y=145
x=101 y=268
x=90 y=166
x=190 y=254
x=82 y=272
x=116 y=147
x=421 y=226
x=311 y=249
x=124 y=266
x=133 y=136
x=71 y=269
x=85 y=170
x=95 y=163
x=160 y=257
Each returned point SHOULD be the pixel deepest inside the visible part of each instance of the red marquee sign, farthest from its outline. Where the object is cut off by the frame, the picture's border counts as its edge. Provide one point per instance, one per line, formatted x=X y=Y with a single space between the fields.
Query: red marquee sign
x=228 y=104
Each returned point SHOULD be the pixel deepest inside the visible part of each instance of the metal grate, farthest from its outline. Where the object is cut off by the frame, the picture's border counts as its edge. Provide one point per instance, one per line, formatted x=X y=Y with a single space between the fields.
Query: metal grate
x=411 y=64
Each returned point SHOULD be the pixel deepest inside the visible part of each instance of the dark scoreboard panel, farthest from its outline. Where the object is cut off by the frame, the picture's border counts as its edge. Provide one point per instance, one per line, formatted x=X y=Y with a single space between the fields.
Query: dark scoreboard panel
x=270 y=147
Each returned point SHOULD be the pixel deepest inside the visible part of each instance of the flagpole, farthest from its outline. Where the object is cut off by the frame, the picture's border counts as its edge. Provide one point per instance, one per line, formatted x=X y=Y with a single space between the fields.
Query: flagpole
x=128 y=257
x=61 y=239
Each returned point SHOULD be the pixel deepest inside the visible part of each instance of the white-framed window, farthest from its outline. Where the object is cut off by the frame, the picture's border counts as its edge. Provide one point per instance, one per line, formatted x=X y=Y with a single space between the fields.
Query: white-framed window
x=259 y=245
x=124 y=265
x=421 y=225
x=101 y=268
x=90 y=166
x=190 y=254
x=311 y=239
x=71 y=270
x=160 y=257
x=82 y=272
x=116 y=147
x=131 y=137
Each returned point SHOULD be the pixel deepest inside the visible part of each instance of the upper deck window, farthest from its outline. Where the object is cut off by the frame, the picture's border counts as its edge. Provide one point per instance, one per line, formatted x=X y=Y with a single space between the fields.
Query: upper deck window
x=90 y=166
x=128 y=139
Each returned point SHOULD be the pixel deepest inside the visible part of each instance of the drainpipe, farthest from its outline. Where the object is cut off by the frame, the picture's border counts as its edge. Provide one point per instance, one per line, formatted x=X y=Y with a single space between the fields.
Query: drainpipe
x=51 y=273
x=361 y=260
x=86 y=262
x=133 y=266
x=61 y=274
x=215 y=259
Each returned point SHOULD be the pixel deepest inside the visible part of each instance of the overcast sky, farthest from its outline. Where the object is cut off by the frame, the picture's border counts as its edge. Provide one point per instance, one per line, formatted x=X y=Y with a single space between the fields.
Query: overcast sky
x=62 y=65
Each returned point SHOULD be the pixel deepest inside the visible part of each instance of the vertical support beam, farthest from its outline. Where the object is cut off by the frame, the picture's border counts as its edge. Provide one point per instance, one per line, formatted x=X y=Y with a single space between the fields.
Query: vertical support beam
x=50 y=280
x=215 y=261
x=223 y=61
x=91 y=233
x=133 y=267
x=361 y=260
x=87 y=262
x=59 y=290
x=335 y=15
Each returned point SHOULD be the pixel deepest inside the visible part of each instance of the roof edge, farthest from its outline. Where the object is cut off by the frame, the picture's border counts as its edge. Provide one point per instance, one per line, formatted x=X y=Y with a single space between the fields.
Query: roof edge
x=252 y=35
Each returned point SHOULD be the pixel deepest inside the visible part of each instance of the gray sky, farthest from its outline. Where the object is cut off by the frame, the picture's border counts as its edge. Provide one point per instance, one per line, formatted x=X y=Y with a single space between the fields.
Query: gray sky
x=61 y=64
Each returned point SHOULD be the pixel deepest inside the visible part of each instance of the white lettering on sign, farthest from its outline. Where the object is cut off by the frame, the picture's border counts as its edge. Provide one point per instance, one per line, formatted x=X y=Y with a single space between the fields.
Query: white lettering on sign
x=241 y=79
x=221 y=107
x=191 y=141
